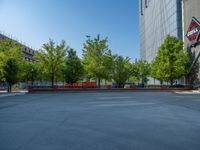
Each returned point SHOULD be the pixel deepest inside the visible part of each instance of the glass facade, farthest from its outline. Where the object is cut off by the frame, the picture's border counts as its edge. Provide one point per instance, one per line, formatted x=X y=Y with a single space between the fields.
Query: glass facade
x=158 y=18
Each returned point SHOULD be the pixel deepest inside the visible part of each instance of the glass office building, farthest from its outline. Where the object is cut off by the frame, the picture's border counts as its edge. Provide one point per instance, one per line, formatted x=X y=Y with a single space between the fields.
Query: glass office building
x=158 y=18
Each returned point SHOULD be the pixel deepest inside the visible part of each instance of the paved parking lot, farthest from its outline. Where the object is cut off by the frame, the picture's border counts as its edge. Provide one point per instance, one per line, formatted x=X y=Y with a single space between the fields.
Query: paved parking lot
x=100 y=121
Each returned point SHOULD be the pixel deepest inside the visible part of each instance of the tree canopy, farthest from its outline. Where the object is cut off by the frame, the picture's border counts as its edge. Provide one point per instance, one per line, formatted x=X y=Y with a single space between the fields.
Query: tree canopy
x=73 y=70
x=97 y=59
x=10 y=61
x=171 y=61
x=51 y=58
x=141 y=70
x=121 y=70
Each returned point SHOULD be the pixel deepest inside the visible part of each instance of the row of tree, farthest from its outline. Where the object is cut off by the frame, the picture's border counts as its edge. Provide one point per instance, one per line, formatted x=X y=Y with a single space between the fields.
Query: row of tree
x=59 y=62
x=10 y=62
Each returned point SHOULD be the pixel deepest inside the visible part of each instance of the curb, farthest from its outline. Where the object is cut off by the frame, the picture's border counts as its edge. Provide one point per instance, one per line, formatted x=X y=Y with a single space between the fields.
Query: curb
x=193 y=92
x=11 y=94
x=78 y=90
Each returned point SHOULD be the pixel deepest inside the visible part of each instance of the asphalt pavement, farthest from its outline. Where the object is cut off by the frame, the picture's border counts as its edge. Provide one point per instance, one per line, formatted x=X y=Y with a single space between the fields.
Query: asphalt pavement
x=100 y=121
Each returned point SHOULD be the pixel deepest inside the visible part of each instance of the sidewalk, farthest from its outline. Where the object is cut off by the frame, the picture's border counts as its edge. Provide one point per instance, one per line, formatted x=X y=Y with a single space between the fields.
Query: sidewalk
x=13 y=93
x=189 y=92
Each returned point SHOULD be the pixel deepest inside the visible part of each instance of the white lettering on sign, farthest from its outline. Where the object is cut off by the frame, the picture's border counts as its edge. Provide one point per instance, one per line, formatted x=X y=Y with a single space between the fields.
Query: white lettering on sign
x=195 y=30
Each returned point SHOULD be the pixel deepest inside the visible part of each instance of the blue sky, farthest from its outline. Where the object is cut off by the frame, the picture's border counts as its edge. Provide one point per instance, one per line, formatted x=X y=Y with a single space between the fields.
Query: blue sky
x=35 y=21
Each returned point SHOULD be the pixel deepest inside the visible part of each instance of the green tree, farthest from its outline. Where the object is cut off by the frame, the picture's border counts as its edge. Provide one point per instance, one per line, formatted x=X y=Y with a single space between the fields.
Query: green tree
x=2 y=61
x=74 y=68
x=97 y=59
x=121 y=70
x=171 y=61
x=141 y=70
x=29 y=71
x=157 y=70
x=10 y=61
x=51 y=58
x=11 y=72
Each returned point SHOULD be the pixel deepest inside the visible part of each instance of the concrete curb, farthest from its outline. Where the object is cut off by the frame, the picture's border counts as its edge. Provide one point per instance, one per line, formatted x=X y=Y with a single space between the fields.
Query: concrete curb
x=192 y=92
x=12 y=94
x=78 y=90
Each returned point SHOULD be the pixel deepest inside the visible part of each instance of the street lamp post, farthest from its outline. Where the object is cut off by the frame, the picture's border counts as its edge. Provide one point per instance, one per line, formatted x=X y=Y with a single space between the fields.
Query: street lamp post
x=32 y=70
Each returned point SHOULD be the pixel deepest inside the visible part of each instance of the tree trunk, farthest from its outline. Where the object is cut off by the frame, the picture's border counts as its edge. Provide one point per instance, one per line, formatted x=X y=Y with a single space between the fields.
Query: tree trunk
x=9 y=88
x=99 y=83
x=161 y=83
x=171 y=82
x=52 y=80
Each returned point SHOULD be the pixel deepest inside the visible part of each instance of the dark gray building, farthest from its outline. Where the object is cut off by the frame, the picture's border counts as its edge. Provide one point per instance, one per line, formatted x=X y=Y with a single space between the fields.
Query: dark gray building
x=158 y=18
x=191 y=33
x=27 y=51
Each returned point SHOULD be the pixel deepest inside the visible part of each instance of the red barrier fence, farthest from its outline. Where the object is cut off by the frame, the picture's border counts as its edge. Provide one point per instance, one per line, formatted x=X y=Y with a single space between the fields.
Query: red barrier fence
x=81 y=85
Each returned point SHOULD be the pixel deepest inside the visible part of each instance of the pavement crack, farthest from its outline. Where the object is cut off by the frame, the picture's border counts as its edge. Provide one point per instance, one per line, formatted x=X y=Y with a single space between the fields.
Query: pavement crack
x=66 y=119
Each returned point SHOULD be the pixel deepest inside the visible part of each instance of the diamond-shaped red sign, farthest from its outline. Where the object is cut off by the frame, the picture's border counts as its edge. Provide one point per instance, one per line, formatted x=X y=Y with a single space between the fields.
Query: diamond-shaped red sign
x=193 y=31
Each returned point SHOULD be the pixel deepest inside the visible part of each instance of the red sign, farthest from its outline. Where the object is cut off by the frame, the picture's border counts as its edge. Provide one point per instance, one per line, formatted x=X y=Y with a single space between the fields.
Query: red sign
x=193 y=31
